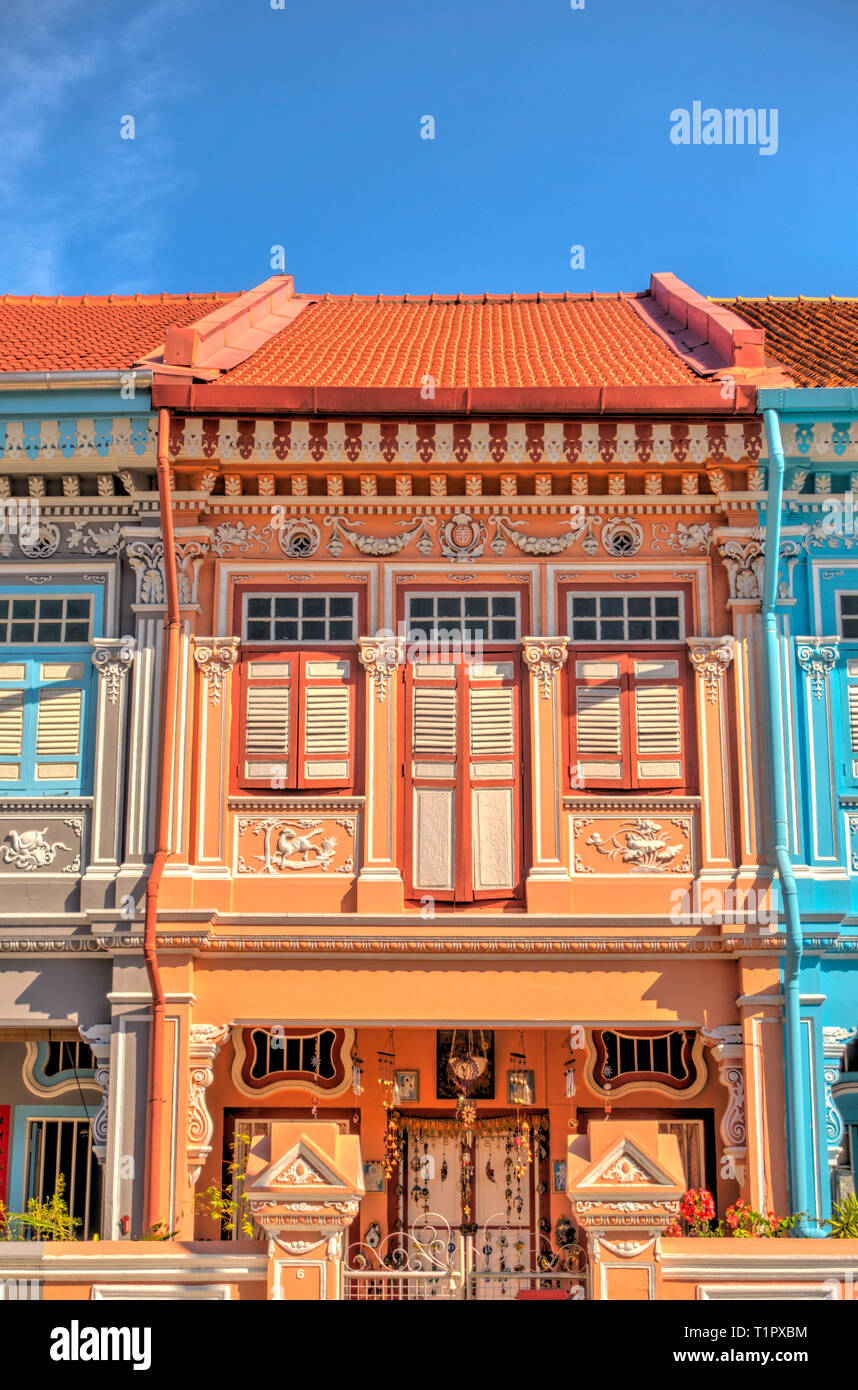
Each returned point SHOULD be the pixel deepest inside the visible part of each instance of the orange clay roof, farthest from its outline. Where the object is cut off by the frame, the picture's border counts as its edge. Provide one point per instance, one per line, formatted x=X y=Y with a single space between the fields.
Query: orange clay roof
x=816 y=340
x=92 y=332
x=465 y=341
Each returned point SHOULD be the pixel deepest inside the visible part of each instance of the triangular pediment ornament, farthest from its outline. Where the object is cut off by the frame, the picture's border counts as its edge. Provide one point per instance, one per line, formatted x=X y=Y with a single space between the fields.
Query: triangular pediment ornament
x=626 y=1165
x=301 y=1167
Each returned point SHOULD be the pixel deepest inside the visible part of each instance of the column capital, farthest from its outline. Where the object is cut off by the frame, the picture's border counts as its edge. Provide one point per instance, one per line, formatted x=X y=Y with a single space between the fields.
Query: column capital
x=743 y=552
x=544 y=658
x=111 y=658
x=817 y=656
x=206 y=1040
x=710 y=657
x=215 y=658
x=380 y=657
x=97 y=1038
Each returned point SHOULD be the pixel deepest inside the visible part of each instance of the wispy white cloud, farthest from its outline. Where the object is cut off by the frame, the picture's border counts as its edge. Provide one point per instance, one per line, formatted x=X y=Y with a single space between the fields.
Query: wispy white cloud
x=64 y=61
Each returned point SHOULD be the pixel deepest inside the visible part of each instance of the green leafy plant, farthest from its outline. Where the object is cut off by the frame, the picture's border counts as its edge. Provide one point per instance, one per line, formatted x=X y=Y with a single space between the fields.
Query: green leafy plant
x=159 y=1232
x=217 y=1200
x=46 y=1218
x=843 y=1223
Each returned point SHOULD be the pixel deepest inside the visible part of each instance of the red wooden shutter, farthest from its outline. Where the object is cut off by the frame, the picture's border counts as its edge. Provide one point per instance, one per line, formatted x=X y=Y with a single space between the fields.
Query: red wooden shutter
x=267 y=721
x=494 y=775
x=599 y=723
x=328 y=723
x=433 y=827
x=656 y=707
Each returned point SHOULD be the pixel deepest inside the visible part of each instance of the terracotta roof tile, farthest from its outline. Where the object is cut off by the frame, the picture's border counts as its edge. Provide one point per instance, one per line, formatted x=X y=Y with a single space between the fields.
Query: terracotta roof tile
x=460 y=341
x=816 y=340
x=91 y=332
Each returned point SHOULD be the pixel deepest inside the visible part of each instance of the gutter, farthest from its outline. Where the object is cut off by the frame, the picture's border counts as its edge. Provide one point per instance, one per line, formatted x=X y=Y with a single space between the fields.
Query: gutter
x=62 y=381
x=156 y=1099
x=796 y=1121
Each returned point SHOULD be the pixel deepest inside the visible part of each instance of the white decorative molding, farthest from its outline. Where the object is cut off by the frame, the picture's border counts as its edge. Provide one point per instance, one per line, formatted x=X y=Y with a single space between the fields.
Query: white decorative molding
x=97 y=1037
x=544 y=658
x=205 y=1042
x=380 y=657
x=727 y=1050
x=816 y=656
x=215 y=658
x=743 y=553
x=146 y=559
x=710 y=657
x=112 y=657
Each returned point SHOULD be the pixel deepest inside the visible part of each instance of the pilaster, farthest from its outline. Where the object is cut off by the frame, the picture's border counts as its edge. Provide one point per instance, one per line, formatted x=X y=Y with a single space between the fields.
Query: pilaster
x=549 y=885
x=711 y=658
x=380 y=886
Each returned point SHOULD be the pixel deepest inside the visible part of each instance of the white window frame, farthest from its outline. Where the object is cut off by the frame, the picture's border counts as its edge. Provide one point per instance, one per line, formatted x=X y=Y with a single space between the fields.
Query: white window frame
x=627 y=641
x=13 y=641
x=851 y=617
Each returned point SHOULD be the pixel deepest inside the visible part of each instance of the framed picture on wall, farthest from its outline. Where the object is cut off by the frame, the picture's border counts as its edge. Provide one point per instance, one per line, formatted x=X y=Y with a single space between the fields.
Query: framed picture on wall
x=373 y=1175
x=559 y=1173
x=406 y=1087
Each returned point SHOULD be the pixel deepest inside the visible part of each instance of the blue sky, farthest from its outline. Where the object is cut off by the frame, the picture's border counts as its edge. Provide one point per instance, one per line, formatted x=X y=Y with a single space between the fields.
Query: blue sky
x=257 y=127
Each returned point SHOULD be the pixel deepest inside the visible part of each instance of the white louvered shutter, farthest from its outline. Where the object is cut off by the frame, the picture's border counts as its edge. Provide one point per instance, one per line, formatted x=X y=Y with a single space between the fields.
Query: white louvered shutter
x=266 y=736
x=432 y=749
x=598 y=723
x=495 y=775
x=658 y=755
x=328 y=732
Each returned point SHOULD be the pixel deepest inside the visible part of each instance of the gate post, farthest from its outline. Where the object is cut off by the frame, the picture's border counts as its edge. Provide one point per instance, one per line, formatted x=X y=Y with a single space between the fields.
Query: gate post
x=624 y=1182
x=303 y=1187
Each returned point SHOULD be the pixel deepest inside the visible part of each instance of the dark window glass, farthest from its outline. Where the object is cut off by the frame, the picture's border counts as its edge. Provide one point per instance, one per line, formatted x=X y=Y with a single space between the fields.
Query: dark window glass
x=285 y=607
x=639 y=631
x=504 y=631
x=611 y=607
x=312 y=631
x=666 y=606
x=258 y=607
x=667 y=631
x=504 y=607
x=584 y=607
x=23 y=608
x=639 y=606
x=257 y=632
x=341 y=606
x=340 y=632
x=50 y=632
x=612 y=632
x=584 y=631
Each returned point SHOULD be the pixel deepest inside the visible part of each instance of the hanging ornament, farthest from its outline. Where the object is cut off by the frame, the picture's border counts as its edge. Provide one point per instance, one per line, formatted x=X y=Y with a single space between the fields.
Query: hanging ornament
x=520 y=1087
x=607 y=1089
x=357 y=1069
x=387 y=1082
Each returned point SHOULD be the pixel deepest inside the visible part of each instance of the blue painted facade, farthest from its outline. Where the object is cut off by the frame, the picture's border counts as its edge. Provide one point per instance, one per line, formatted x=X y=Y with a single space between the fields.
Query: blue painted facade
x=817 y=612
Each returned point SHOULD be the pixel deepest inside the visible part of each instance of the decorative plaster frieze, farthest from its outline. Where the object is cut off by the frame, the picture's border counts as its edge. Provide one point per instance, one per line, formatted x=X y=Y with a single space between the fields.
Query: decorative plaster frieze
x=710 y=657
x=743 y=554
x=380 y=657
x=544 y=658
x=112 y=657
x=816 y=656
x=215 y=658
x=727 y=1051
x=206 y=1041
x=146 y=558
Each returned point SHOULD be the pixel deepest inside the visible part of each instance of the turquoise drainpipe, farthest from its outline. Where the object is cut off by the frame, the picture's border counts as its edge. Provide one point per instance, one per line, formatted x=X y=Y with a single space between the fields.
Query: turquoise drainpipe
x=792 y=1002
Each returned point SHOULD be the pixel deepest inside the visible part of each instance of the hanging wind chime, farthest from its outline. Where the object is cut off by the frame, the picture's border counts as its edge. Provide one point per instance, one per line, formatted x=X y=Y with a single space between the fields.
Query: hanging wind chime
x=466 y=1065
x=570 y=1087
x=387 y=1082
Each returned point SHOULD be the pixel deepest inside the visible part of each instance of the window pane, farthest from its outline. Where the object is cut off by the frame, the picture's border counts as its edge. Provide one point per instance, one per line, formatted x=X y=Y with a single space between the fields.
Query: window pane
x=584 y=631
x=503 y=631
x=258 y=607
x=667 y=631
x=257 y=631
x=639 y=631
x=76 y=632
x=51 y=608
x=312 y=631
x=612 y=631
x=611 y=606
x=285 y=631
x=850 y=627
x=22 y=632
x=340 y=631
x=667 y=606
x=421 y=607
x=476 y=606
x=849 y=603
x=285 y=606
x=504 y=606
x=312 y=607
x=584 y=607
x=23 y=608
x=449 y=607
x=77 y=608
x=477 y=627
x=51 y=632
x=639 y=606
x=341 y=606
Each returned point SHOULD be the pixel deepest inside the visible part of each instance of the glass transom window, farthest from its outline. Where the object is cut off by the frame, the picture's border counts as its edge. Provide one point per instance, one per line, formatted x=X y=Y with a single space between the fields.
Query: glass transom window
x=438 y=617
x=299 y=618
x=848 y=605
x=627 y=617
x=27 y=621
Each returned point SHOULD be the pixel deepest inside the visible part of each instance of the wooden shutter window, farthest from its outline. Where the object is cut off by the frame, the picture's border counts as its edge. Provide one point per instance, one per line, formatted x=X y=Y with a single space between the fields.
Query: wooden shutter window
x=328 y=720
x=434 y=720
x=492 y=727
x=266 y=753
x=657 y=711
x=598 y=744
x=11 y=734
x=58 y=732
x=494 y=768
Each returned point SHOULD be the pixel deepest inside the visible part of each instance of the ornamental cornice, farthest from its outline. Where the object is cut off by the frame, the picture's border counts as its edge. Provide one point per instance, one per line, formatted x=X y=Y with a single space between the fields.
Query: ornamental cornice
x=215 y=658
x=710 y=657
x=112 y=658
x=85 y=440
x=201 y=442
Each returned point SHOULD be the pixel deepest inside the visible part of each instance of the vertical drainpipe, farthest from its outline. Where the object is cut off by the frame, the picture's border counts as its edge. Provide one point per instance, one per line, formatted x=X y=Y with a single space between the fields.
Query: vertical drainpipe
x=780 y=841
x=156 y=1100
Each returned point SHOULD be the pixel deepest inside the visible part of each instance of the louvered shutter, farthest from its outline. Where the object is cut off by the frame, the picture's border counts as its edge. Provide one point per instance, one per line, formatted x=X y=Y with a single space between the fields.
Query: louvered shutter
x=433 y=825
x=266 y=739
x=852 y=717
x=494 y=768
x=11 y=733
x=328 y=734
x=656 y=706
x=599 y=737
x=59 y=721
